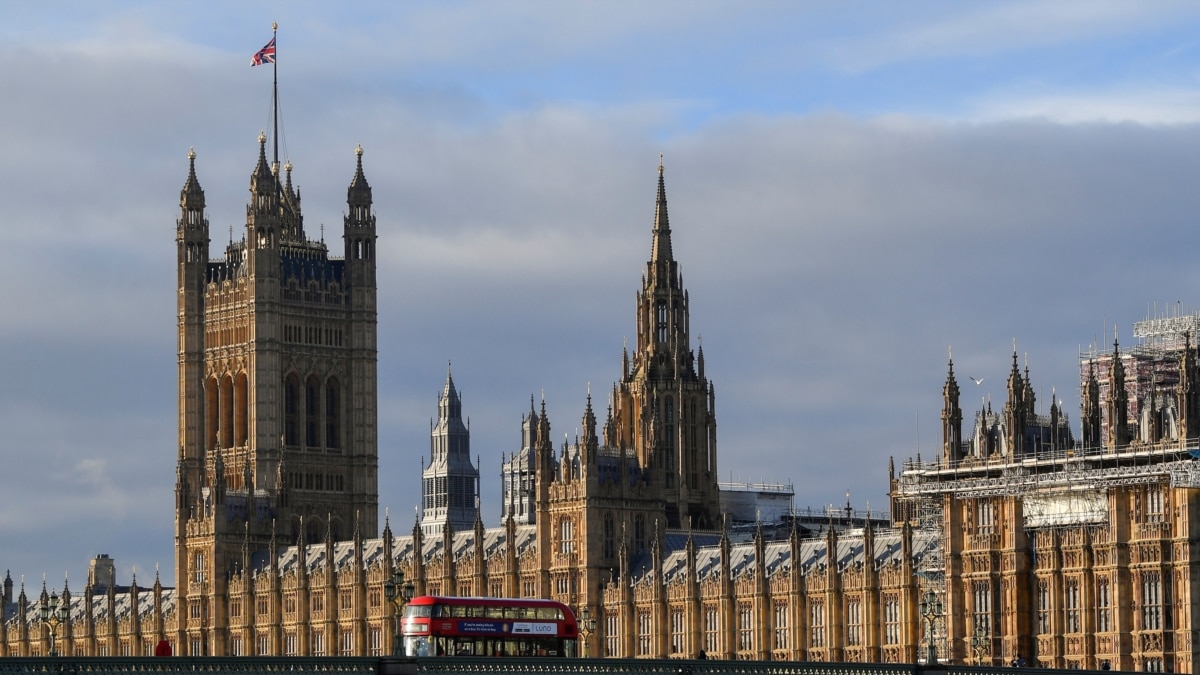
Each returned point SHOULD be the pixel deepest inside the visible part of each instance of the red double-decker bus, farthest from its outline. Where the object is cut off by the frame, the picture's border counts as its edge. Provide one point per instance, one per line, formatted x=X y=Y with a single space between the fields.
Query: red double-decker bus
x=443 y=626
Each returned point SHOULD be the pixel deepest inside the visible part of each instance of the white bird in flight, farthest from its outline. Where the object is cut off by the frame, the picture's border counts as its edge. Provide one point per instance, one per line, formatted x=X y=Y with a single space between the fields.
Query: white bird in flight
x=979 y=381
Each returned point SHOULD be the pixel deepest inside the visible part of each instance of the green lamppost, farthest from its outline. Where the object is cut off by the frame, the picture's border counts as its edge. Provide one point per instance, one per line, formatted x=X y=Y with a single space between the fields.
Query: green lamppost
x=398 y=592
x=979 y=642
x=587 y=626
x=53 y=615
x=931 y=610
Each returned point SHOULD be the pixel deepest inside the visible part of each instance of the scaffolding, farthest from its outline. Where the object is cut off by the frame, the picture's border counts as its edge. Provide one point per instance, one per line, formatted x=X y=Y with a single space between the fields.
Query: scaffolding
x=1170 y=327
x=1183 y=473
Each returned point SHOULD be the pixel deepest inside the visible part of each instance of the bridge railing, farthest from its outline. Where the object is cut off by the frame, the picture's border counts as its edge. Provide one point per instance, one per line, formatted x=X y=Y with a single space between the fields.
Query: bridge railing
x=290 y=665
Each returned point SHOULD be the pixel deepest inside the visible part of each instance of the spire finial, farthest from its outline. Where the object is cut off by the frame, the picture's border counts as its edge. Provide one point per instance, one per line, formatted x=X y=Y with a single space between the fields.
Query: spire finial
x=262 y=138
x=192 y=154
x=360 y=190
x=660 y=249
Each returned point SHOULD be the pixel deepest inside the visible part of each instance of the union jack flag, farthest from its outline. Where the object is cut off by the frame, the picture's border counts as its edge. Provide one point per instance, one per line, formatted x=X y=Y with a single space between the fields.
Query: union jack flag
x=264 y=55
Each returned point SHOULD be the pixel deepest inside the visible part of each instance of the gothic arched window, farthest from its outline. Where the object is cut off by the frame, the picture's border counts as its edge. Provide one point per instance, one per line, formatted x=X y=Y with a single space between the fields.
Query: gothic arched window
x=211 y=409
x=291 y=410
x=639 y=534
x=241 y=409
x=566 y=536
x=610 y=536
x=333 y=413
x=226 y=417
x=312 y=412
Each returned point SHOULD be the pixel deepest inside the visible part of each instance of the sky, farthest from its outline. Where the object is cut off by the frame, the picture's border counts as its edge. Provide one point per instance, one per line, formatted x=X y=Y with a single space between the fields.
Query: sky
x=855 y=189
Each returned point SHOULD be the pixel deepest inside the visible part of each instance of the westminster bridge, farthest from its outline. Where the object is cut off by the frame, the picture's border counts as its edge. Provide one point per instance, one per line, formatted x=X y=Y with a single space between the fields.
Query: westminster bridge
x=470 y=666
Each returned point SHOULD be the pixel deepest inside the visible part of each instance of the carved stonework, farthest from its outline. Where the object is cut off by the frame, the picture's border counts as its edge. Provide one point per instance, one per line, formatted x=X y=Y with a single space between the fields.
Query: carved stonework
x=1151 y=642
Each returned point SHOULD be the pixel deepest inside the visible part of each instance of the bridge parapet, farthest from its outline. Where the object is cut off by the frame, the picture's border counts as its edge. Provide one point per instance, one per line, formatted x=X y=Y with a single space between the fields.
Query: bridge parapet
x=184 y=665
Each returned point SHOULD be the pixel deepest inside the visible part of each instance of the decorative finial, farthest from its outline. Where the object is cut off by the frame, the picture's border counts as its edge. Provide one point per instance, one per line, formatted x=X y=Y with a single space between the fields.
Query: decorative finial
x=274 y=25
x=660 y=163
x=192 y=153
x=358 y=149
x=287 y=166
x=262 y=137
x=275 y=168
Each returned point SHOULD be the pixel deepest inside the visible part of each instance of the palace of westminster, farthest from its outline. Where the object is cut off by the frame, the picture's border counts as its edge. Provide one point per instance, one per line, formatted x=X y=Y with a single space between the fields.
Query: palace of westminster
x=1017 y=541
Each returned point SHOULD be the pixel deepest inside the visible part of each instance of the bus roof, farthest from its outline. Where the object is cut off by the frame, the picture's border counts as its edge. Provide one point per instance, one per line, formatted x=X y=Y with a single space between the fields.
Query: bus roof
x=477 y=602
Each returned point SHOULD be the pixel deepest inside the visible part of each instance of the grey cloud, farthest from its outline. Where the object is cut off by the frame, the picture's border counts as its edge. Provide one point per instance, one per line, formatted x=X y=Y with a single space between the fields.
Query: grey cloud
x=830 y=261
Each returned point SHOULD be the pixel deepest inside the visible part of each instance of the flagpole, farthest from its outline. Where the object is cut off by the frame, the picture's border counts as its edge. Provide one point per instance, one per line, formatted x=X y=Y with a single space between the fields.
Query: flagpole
x=275 y=93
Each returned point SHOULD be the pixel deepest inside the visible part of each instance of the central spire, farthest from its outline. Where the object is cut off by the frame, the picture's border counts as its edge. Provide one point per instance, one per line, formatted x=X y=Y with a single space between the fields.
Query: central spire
x=661 y=248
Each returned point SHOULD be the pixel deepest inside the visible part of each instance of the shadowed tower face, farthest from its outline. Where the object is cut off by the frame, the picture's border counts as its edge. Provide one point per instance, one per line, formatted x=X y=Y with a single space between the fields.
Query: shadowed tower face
x=277 y=382
x=664 y=406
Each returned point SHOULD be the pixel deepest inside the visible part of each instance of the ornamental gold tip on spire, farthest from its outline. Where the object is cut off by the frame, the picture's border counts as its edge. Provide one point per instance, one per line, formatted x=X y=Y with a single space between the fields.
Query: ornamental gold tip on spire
x=660 y=163
x=192 y=153
x=262 y=137
x=358 y=149
x=287 y=166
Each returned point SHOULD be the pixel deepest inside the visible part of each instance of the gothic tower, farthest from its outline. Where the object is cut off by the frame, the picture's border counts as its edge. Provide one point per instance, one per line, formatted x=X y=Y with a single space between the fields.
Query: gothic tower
x=277 y=390
x=450 y=483
x=665 y=408
x=517 y=476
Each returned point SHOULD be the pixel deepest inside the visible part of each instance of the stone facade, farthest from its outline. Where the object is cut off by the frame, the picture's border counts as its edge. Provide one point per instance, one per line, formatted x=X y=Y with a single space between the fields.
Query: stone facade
x=1034 y=546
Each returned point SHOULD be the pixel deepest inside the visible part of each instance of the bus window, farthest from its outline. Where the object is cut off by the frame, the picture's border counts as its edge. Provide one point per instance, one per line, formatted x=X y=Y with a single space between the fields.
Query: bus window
x=417 y=611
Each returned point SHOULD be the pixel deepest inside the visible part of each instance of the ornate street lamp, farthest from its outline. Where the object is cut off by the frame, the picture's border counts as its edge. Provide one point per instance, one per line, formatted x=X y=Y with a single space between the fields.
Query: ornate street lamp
x=931 y=610
x=587 y=626
x=53 y=615
x=398 y=592
x=979 y=642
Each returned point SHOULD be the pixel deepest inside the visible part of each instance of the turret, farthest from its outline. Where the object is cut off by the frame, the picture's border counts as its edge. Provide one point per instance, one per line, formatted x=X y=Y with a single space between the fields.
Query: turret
x=951 y=418
x=1189 y=394
x=263 y=224
x=1015 y=410
x=589 y=444
x=1118 y=402
x=359 y=228
x=191 y=230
